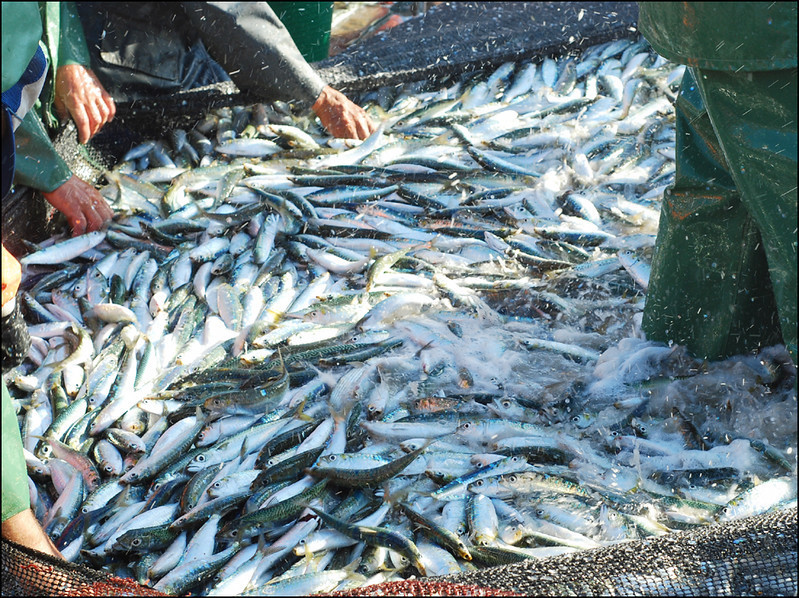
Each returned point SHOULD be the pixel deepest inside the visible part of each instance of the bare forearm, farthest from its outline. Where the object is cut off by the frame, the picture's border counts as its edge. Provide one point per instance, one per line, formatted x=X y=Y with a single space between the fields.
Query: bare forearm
x=23 y=528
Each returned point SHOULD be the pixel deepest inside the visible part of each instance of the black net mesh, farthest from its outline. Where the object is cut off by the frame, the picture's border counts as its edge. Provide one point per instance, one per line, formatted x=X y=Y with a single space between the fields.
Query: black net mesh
x=454 y=37
x=754 y=557
x=138 y=121
x=28 y=572
x=750 y=557
x=20 y=210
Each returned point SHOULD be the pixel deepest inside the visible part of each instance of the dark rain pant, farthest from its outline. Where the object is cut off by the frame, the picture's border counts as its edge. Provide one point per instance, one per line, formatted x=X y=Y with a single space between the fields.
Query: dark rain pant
x=724 y=271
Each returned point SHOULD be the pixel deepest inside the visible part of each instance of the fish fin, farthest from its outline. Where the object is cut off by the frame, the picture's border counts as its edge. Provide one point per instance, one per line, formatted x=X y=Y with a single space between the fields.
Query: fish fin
x=300 y=414
x=243 y=451
x=419 y=352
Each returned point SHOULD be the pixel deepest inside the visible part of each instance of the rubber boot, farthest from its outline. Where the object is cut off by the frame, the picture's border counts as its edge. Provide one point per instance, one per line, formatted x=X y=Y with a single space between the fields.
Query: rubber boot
x=710 y=288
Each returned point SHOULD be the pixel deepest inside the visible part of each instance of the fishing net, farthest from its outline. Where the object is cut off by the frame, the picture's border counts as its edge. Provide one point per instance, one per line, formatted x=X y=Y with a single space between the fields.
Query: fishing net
x=29 y=572
x=454 y=37
x=756 y=556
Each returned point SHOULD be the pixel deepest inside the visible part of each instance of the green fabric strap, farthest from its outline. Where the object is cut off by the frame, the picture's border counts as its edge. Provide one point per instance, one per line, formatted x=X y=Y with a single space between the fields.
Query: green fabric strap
x=72 y=47
x=22 y=30
x=66 y=44
x=16 y=496
x=37 y=164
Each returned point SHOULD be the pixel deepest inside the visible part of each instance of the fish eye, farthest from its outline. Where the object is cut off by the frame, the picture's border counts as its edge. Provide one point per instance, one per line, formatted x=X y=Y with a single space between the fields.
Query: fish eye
x=108 y=469
x=84 y=510
x=512 y=478
x=270 y=462
x=478 y=483
x=217 y=484
x=575 y=419
x=200 y=458
x=539 y=512
x=506 y=404
x=136 y=542
x=466 y=426
x=331 y=458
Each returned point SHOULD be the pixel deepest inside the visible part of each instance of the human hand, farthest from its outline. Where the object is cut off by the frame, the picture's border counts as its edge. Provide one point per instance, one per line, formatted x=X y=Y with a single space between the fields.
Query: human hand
x=23 y=528
x=342 y=117
x=82 y=204
x=79 y=94
x=12 y=275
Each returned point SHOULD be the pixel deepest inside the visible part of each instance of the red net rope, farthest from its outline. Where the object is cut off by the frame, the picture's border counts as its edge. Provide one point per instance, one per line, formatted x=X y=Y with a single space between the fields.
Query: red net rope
x=416 y=587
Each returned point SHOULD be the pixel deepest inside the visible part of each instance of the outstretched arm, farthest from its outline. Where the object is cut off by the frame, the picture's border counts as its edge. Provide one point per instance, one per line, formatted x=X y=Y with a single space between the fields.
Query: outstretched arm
x=250 y=42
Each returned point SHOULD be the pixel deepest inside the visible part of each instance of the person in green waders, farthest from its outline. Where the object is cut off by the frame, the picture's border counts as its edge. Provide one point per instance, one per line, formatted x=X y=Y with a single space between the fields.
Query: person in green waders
x=70 y=90
x=723 y=276
x=24 y=70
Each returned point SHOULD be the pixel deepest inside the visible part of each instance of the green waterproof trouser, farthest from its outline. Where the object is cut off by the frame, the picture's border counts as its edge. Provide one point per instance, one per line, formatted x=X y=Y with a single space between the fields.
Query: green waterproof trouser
x=16 y=495
x=723 y=276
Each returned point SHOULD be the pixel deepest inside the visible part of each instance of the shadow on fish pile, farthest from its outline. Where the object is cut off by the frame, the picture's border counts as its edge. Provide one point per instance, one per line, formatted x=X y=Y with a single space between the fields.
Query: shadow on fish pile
x=296 y=364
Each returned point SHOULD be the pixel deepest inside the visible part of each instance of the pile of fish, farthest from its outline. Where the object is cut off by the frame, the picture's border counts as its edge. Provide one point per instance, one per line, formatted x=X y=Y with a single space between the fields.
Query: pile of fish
x=295 y=364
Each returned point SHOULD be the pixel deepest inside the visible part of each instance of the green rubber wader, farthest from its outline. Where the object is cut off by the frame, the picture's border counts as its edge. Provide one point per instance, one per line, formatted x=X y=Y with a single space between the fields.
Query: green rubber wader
x=16 y=496
x=724 y=271
x=309 y=25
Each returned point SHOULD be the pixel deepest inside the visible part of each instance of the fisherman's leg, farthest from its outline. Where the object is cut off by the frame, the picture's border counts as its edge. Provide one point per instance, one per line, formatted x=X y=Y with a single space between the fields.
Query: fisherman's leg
x=707 y=288
x=754 y=116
